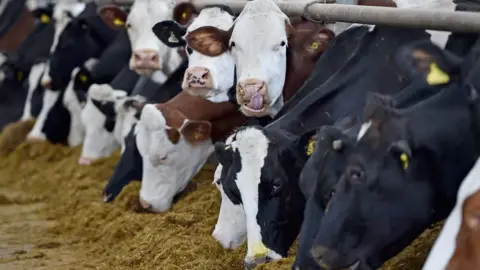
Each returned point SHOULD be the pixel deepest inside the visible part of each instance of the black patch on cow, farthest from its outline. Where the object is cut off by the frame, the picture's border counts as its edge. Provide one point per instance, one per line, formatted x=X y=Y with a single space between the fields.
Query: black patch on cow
x=126 y=80
x=128 y=168
x=57 y=123
x=10 y=15
x=170 y=33
x=231 y=162
x=107 y=108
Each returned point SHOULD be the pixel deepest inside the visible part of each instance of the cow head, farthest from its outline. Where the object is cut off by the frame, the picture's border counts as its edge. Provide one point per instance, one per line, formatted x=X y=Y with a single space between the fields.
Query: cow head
x=258 y=42
x=208 y=76
x=173 y=149
x=103 y=124
x=148 y=53
x=231 y=228
x=260 y=172
x=467 y=251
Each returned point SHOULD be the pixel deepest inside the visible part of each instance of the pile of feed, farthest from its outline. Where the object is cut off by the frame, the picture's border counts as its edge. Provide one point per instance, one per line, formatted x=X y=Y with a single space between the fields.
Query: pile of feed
x=114 y=236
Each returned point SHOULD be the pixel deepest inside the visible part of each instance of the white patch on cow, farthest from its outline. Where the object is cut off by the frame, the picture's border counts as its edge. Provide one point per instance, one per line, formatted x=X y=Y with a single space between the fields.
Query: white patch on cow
x=159 y=77
x=364 y=129
x=167 y=167
x=438 y=37
x=49 y=99
x=126 y=117
x=3 y=58
x=445 y=244
x=72 y=104
x=258 y=33
x=252 y=145
x=231 y=228
x=143 y=15
x=61 y=21
x=221 y=67
x=98 y=141
x=33 y=80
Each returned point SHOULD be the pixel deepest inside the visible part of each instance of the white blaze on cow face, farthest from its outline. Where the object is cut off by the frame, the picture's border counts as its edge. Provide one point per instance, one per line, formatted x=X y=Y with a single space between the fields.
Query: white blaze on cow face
x=62 y=14
x=259 y=46
x=167 y=167
x=231 y=228
x=208 y=76
x=252 y=145
x=149 y=53
x=33 y=80
x=98 y=141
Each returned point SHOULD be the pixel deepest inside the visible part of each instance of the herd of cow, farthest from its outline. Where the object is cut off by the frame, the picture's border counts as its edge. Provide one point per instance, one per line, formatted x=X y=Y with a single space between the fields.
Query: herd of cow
x=353 y=138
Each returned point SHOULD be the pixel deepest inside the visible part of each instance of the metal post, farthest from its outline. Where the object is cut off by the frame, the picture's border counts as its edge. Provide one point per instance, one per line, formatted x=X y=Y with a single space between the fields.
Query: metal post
x=453 y=21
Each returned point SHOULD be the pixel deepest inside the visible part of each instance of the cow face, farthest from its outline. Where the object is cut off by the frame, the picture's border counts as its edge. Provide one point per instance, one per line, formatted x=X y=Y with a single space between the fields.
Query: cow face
x=258 y=42
x=173 y=149
x=231 y=228
x=467 y=244
x=261 y=172
x=208 y=76
x=148 y=53
x=100 y=121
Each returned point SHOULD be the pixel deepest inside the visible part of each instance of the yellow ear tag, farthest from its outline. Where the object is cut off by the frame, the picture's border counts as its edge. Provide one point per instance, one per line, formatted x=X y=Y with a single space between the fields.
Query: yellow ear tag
x=436 y=76
x=83 y=78
x=310 y=147
x=196 y=135
x=184 y=15
x=259 y=250
x=404 y=159
x=44 y=18
x=315 y=45
x=19 y=76
x=118 y=22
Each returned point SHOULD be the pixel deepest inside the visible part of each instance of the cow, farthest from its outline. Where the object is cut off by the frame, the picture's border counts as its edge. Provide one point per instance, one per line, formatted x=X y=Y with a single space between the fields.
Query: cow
x=415 y=166
x=175 y=139
x=467 y=250
x=87 y=30
x=16 y=68
x=149 y=56
x=206 y=76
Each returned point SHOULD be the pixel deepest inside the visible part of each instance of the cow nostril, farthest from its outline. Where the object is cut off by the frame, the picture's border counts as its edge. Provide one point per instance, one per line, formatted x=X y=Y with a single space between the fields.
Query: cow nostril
x=154 y=58
x=137 y=57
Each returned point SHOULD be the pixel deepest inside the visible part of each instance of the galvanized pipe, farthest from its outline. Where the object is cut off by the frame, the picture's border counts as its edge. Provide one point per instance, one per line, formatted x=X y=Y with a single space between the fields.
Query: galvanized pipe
x=452 y=21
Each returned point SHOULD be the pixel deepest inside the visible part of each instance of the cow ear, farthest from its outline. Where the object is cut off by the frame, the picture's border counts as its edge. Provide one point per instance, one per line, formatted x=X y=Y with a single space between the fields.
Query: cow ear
x=183 y=13
x=196 y=132
x=305 y=144
x=113 y=16
x=209 y=40
x=317 y=42
x=170 y=33
x=224 y=153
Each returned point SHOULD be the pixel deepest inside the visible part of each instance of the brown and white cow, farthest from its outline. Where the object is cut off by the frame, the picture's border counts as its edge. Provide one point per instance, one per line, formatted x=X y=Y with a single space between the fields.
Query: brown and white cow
x=175 y=139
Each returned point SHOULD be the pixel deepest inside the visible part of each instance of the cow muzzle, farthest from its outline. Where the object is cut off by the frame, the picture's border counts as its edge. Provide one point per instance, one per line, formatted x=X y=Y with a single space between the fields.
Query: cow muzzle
x=198 y=81
x=329 y=259
x=47 y=84
x=252 y=96
x=145 y=61
x=84 y=161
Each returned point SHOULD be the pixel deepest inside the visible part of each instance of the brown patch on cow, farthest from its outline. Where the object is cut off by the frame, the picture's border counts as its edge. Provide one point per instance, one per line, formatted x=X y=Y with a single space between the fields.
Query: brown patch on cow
x=209 y=40
x=113 y=16
x=196 y=132
x=467 y=251
x=183 y=13
x=306 y=43
x=222 y=118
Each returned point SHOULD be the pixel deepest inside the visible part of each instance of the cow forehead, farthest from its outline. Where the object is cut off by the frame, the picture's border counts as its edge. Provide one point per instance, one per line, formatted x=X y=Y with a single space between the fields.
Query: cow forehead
x=212 y=17
x=151 y=11
x=251 y=143
x=258 y=30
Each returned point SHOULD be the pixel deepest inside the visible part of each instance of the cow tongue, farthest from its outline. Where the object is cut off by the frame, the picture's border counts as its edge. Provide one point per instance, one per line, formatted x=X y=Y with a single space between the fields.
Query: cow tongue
x=256 y=102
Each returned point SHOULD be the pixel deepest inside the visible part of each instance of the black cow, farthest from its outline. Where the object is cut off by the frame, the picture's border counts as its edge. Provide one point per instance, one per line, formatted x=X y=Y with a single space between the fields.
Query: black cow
x=17 y=66
x=403 y=171
x=361 y=61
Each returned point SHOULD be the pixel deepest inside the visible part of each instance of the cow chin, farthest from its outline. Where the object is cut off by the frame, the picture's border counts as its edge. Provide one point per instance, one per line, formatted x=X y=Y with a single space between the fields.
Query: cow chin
x=144 y=71
x=200 y=92
x=249 y=112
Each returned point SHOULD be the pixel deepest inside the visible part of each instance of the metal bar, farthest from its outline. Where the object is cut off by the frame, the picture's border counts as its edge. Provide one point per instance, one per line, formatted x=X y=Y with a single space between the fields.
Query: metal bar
x=442 y=20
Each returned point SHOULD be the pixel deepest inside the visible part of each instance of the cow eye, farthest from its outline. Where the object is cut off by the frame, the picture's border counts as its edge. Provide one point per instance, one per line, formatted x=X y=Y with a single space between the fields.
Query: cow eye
x=232 y=44
x=189 y=50
x=355 y=174
x=128 y=25
x=276 y=188
x=282 y=43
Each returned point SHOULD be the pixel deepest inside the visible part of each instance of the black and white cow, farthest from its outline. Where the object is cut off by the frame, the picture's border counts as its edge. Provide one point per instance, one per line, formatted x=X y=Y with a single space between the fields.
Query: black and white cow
x=405 y=167
x=83 y=39
x=17 y=66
